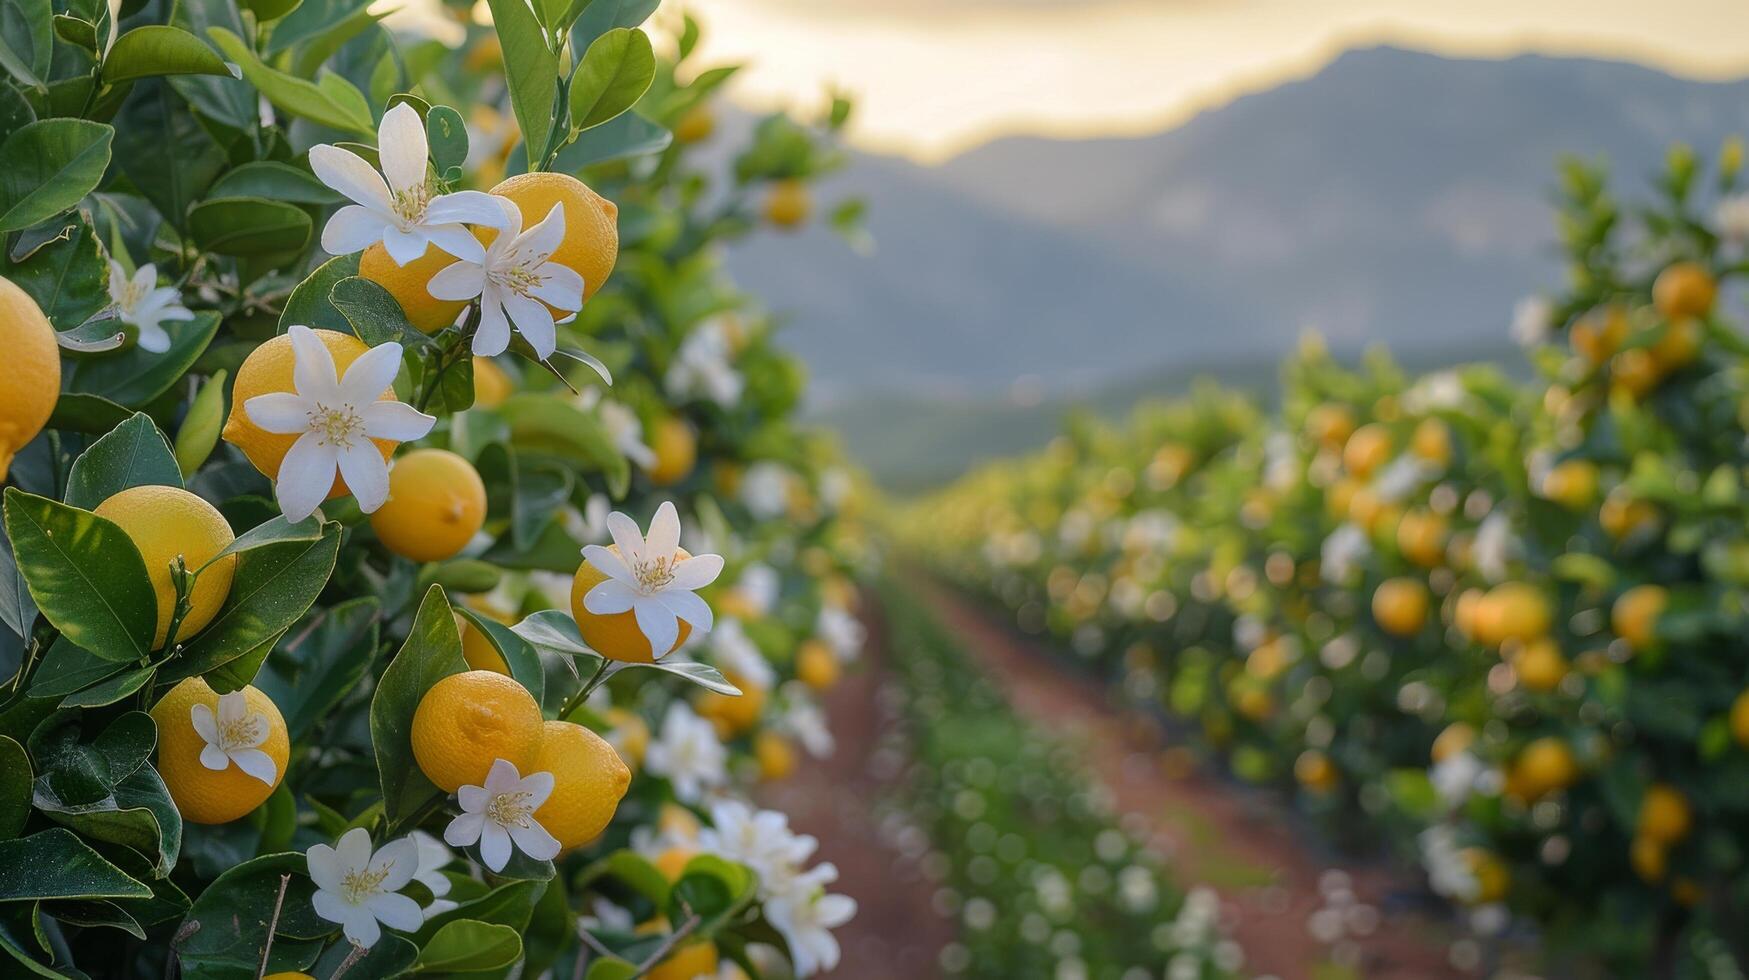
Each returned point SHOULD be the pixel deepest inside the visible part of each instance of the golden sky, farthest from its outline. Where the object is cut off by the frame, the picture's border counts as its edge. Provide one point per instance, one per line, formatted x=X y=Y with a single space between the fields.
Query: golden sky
x=933 y=77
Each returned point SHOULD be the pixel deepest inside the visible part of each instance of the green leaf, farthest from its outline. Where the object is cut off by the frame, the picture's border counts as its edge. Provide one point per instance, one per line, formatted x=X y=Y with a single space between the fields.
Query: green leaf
x=532 y=70
x=611 y=968
x=239 y=672
x=469 y=946
x=249 y=226
x=628 y=135
x=712 y=888
x=322 y=663
x=48 y=167
x=447 y=135
x=704 y=675
x=133 y=454
x=432 y=652
x=76 y=31
x=138 y=813
x=509 y=904
x=110 y=689
x=615 y=73
x=634 y=870
x=555 y=632
x=274 y=530
x=275 y=181
x=391 y=957
x=164 y=150
x=15 y=110
x=539 y=421
x=600 y=16
x=309 y=302
x=524 y=663
x=289 y=93
x=17 y=609
x=374 y=316
x=67 y=667
x=274 y=585
x=15 y=777
x=85 y=575
x=226 y=927
x=27 y=37
x=136 y=377
x=270 y=10
x=55 y=863
x=202 y=425
x=159 y=49
x=66 y=275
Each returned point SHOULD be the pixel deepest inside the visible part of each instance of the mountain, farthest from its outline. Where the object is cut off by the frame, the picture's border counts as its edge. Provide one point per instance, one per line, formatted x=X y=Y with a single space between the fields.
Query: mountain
x=1396 y=197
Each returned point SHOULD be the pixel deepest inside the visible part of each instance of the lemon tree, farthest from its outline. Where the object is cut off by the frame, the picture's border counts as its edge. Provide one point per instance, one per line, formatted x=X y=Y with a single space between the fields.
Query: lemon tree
x=333 y=349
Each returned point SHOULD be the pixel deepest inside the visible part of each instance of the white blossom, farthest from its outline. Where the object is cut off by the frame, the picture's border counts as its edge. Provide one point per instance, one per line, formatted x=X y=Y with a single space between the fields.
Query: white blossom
x=765 y=489
x=842 y=631
x=759 y=839
x=516 y=282
x=687 y=753
x=735 y=653
x=806 y=915
x=140 y=301
x=1732 y=217
x=501 y=813
x=648 y=577
x=359 y=888
x=1532 y=321
x=703 y=367
x=234 y=736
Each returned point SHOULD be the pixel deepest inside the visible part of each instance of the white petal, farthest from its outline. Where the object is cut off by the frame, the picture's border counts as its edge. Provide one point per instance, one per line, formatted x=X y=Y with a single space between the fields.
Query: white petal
x=395 y=420
x=399 y=860
x=233 y=707
x=685 y=605
x=404 y=246
x=361 y=926
x=153 y=339
x=256 y=763
x=559 y=285
x=145 y=277
x=396 y=911
x=353 y=228
x=463 y=279
x=492 y=336
x=118 y=281
x=696 y=572
x=659 y=625
x=664 y=535
x=535 y=322
x=464 y=830
x=329 y=905
x=305 y=476
x=609 y=598
x=324 y=867
x=201 y=717
x=214 y=758
x=457 y=240
x=537 y=244
x=494 y=846
x=367 y=476
x=608 y=563
x=627 y=537
x=402 y=147
x=353 y=849
x=348 y=173
x=502 y=777
x=313 y=373
x=279 y=412
x=468 y=207
x=473 y=799
x=538 y=786
x=534 y=841
x=371 y=375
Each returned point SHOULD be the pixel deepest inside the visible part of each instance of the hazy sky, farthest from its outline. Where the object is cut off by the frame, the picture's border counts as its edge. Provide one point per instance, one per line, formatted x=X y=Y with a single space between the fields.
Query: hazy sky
x=935 y=76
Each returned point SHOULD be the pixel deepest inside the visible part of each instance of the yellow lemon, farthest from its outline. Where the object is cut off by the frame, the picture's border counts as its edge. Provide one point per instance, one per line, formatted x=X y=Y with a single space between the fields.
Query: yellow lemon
x=616 y=637
x=696 y=125
x=1399 y=606
x=1740 y=719
x=164 y=522
x=437 y=503
x=1679 y=345
x=1648 y=859
x=732 y=714
x=672 y=862
x=1367 y=450
x=1599 y=334
x=676 y=449
x=409 y=285
x=690 y=961
x=1512 y=611
x=1541 y=768
x=589 y=779
x=1315 y=771
x=788 y=204
x=1491 y=874
x=1635 y=371
x=591 y=243
x=492 y=385
x=1432 y=442
x=268 y=368
x=32 y=382
x=478 y=651
x=1684 y=289
x=1457 y=737
x=1634 y=617
x=1330 y=424
x=817 y=665
x=1539 y=665
x=1421 y=537
x=1665 y=815
x=209 y=796
x=776 y=755
x=1622 y=515
x=1571 y=483
x=467 y=721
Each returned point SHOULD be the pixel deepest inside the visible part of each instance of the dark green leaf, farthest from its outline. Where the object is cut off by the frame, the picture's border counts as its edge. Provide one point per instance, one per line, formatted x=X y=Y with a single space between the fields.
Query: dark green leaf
x=27 y=35
x=87 y=413
x=248 y=226
x=226 y=927
x=628 y=135
x=432 y=652
x=138 y=814
x=84 y=574
x=55 y=863
x=67 y=668
x=293 y=95
x=616 y=72
x=239 y=672
x=274 y=530
x=275 y=181
x=321 y=663
x=469 y=946
x=309 y=304
x=165 y=151
x=66 y=275
x=48 y=167
x=600 y=16
x=712 y=888
x=159 y=49
x=274 y=585
x=532 y=70
x=15 y=777
x=448 y=137
x=133 y=454
x=542 y=422
x=17 y=609
x=136 y=377
x=110 y=689
x=374 y=315
x=518 y=654
x=270 y=10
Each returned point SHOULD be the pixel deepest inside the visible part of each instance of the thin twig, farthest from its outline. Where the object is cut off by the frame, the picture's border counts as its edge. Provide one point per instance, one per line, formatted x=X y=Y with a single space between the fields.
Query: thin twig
x=347 y=963
x=272 y=925
x=593 y=943
x=576 y=700
x=674 y=939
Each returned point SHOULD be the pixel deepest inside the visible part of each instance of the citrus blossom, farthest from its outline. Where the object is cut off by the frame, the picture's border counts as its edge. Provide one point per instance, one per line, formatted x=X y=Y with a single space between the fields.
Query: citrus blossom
x=517 y=283
x=141 y=302
x=358 y=887
x=500 y=813
x=647 y=578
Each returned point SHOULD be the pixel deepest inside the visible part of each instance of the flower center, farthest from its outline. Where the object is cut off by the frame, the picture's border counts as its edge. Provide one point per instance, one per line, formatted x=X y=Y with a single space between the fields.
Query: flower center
x=509 y=809
x=241 y=733
x=654 y=574
x=409 y=205
x=338 y=425
x=361 y=883
x=519 y=279
x=131 y=295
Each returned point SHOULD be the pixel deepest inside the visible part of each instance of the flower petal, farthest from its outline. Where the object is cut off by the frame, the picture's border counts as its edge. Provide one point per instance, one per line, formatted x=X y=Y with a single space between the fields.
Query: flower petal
x=494 y=846
x=256 y=763
x=404 y=246
x=396 y=911
x=349 y=173
x=687 y=606
x=658 y=624
x=664 y=535
x=279 y=411
x=402 y=147
x=462 y=279
x=353 y=228
x=609 y=598
x=201 y=717
x=465 y=829
x=559 y=286
x=353 y=850
x=696 y=572
x=534 y=840
x=395 y=420
x=153 y=339
x=536 y=245
x=473 y=799
x=367 y=476
x=535 y=322
x=502 y=777
x=399 y=861
x=538 y=786
x=313 y=373
x=324 y=867
x=492 y=336
x=608 y=563
x=214 y=758
x=627 y=537
x=305 y=476
x=456 y=240
x=118 y=281
x=468 y=207
x=361 y=926
x=328 y=904
x=371 y=375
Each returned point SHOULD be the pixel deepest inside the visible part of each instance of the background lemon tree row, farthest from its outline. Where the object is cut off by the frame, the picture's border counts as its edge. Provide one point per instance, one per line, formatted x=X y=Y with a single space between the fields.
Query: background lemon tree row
x=1498 y=624
x=227 y=730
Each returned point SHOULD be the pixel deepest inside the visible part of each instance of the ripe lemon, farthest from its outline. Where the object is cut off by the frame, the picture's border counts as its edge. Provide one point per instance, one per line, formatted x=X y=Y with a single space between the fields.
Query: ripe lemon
x=164 y=522
x=467 y=721
x=1512 y=611
x=1399 y=606
x=1421 y=537
x=268 y=368
x=478 y=651
x=672 y=862
x=692 y=960
x=1684 y=289
x=32 y=383
x=817 y=665
x=1678 y=346
x=589 y=779
x=1665 y=815
x=591 y=243
x=1622 y=515
x=1466 y=611
x=1542 y=767
x=695 y=126
x=1740 y=719
x=210 y=796
x=732 y=714
x=1367 y=450
x=776 y=755
x=1330 y=424
x=1648 y=859
x=1432 y=442
x=492 y=385
x=409 y=285
x=1599 y=334
x=436 y=505
x=1634 y=617
x=788 y=204
x=1635 y=371
x=1491 y=874
x=676 y=449
x=1539 y=665
x=616 y=637
x=1571 y=483
x=631 y=735
x=1457 y=737
x=1315 y=771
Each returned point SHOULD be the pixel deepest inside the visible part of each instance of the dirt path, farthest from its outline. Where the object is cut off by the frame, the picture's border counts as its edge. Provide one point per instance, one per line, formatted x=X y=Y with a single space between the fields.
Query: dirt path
x=896 y=931
x=1216 y=833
